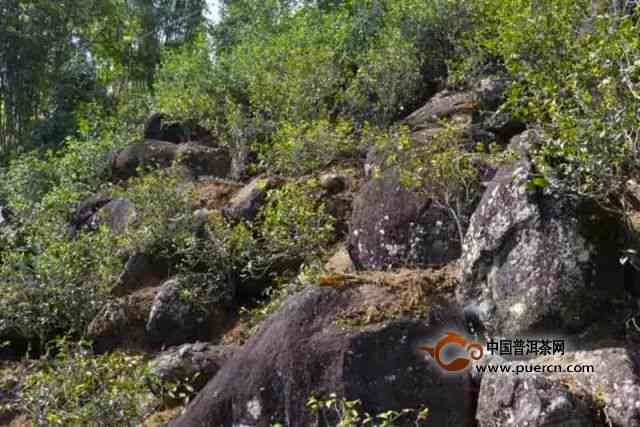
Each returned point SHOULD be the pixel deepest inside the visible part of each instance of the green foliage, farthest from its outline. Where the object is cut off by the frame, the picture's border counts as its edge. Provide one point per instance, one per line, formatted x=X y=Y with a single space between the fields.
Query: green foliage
x=51 y=283
x=58 y=287
x=348 y=413
x=186 y=86
x=164 y=221
x=574 y=67
x=219 y=254
x=295 y=224
x=76 y=387
x=307 y=147
x=80 y=168
x=55 y=284
x=281 y=71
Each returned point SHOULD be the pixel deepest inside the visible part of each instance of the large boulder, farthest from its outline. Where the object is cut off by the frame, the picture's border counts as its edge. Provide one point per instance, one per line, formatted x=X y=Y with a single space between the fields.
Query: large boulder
x=531 y=400
x=142 y=271
x=195 y=363
x=190 y=308
x=117 y=214
x=121 y=323
x=477 y=111
x=609 y=377
x=533 y=260
x=583 y=388
x=392 y=226
x=304 y=350
x=198 y=160
x=447 y=104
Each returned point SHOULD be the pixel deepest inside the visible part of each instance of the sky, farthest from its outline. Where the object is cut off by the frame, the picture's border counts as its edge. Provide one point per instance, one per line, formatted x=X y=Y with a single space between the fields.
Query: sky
x=213 y=7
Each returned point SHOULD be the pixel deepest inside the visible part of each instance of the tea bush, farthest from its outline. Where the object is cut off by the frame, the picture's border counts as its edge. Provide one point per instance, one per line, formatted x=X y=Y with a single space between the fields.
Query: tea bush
x=295 y=224
x=76 y=387
x=574 y=71
x=307 y=147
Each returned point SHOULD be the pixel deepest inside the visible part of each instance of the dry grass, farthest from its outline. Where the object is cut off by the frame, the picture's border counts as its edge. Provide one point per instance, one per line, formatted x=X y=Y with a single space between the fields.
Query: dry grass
x=214 y=194
x=379 y=296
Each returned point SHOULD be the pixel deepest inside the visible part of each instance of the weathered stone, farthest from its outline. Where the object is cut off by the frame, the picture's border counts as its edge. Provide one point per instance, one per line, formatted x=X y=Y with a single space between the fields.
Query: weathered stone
x=502 y=125
x=246 y=204
x=489 y=93
x=178 y=317
x=333 y=183
x=533 y=260
x=183 y=363
x=456 y=106
x=392 y=226
x=141 y=271
x=529 y=400
x=198 y=160
x=302 y=351
x=121 y=323
x=340 y=262
x=116 y=214
x=614 y=384
x=109 y=326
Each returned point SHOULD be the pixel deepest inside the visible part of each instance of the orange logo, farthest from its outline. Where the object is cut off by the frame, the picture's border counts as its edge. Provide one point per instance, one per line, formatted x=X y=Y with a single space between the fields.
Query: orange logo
x=472 y=348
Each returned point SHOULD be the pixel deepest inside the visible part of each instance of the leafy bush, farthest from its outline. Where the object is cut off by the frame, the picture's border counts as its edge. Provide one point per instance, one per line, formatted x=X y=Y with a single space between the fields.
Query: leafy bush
x=58 y=288
x=307 y=147
x=51 y=283
x=574 y=71
x=80 y=167
x=280 y=70
x=76 y=387
x=187 y=87
x=229 y=252
x=164 y=221
x=294 y=224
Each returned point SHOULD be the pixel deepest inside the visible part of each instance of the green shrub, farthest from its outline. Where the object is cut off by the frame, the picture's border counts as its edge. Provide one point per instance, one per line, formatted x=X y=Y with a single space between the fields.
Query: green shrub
x=76 y=387
x=226 y=250
x=294 y=223
x=72 y=173
x=164 y=220
x=50 y=283
x=53 y=284
x=307 y=147
x=187 y=86
x=58 y=288
x=574 y=71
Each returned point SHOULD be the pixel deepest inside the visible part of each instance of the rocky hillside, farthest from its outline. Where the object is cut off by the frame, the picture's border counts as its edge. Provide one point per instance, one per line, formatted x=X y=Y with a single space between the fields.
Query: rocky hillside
x=339 y=214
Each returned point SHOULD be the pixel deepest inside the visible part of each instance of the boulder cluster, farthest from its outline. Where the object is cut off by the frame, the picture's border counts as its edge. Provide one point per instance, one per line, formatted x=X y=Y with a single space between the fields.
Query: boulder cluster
x=532 y=263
